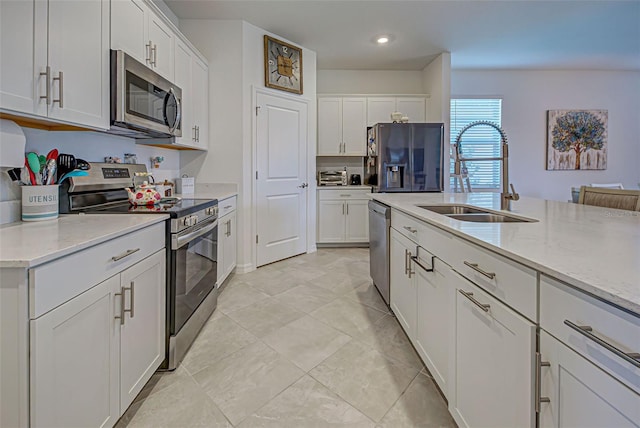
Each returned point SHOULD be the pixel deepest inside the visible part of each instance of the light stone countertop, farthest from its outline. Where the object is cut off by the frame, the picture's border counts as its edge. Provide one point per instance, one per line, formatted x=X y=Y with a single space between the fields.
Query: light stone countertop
x=28 y=244
x=591 y=248
x=217 y=191
x=361 y=187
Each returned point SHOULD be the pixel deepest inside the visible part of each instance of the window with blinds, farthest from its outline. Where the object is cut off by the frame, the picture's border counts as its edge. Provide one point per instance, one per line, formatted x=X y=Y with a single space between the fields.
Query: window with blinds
x=479 y=141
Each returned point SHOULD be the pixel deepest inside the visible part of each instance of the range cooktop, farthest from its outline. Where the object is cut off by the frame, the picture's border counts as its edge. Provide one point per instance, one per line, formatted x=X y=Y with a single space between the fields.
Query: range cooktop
x=173 y=206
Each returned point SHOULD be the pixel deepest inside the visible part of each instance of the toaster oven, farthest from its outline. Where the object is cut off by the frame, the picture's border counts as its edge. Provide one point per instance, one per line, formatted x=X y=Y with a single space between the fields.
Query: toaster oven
x=332 y=178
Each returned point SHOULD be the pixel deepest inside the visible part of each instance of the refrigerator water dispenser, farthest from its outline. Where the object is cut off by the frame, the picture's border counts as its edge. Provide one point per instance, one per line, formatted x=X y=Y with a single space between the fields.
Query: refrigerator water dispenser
x=395 y=176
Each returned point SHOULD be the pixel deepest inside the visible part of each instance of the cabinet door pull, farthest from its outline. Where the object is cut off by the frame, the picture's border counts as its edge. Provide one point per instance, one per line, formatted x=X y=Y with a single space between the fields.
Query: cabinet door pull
x=409 y=271
x=125 y=254
x=343 y=209
x=469 y=295
x=474 y=266
x=538 y=380
x=60 y=80
x=195 y=134
x=406 y=265
x=47 y=75
x=121 y=316
x=131 y=301
x=154 y=49
x=345 y=195
x=410 y=229
x=198 y=134
x=416 y=261
x=226 y=207
x=148 y=49
x=347 y=208
x=585 y=330
x=228 y=228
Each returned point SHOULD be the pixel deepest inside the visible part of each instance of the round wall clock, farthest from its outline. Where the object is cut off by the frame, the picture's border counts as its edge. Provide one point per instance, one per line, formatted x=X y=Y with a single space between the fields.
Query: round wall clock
x=282 y=65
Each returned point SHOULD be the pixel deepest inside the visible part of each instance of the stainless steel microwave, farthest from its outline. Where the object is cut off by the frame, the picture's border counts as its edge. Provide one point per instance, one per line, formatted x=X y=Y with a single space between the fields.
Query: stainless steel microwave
x=143 y=103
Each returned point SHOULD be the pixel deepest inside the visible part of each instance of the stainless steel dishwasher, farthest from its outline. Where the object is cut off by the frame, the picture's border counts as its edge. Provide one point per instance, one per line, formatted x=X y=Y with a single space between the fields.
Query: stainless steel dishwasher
x=379 y=223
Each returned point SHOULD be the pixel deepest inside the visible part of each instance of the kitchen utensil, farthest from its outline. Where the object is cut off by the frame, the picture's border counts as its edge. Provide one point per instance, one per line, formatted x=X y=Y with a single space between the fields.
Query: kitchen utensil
x=144 y=194
x=49 y=172
x=14 y=174
x=75 y=173
x=53 y=154
x=66 y=163
x=82 y=164
x=43 y=161
x=27 y=165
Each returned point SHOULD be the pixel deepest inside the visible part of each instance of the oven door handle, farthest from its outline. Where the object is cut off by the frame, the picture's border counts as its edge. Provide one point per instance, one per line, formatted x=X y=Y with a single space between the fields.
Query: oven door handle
x=179 y=240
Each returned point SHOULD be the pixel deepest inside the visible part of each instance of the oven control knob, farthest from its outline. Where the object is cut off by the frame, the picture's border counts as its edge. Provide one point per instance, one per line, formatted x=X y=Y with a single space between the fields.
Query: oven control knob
x=211 y=211
x=186 y=221
x=194 y=220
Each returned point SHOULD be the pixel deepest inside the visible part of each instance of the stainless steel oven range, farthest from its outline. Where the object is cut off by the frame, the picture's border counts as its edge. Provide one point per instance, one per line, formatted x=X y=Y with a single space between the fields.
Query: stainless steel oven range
x=191 y=238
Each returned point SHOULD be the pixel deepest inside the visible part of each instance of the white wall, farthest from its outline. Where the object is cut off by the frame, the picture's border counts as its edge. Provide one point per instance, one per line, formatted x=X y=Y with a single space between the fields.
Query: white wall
x=370 y=82
x=527 y=95
x=236 y=69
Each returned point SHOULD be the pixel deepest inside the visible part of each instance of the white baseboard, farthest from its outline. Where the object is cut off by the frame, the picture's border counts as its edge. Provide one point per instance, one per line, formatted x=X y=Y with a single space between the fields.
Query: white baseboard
x=245 y=268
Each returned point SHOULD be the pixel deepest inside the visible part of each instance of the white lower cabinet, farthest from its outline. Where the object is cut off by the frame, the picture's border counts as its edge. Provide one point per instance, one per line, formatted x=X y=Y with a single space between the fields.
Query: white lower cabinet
x=494 y=349
x=402 y=289
x=93 y=354
x=227 y=238
x=343 y=216
x=579 y=393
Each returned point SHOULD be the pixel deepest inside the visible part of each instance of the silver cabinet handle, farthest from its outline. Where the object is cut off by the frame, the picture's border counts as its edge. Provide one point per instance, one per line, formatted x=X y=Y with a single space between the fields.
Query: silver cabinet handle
x=47 y=74
x=60 y=99
x=125 y=254
x=226 y=207
x=303 y=185
x=585 y=330
x=228 y=232
x=538 y=382
x=195 y=134
x=343 y=209
x=131 y=295
x=347 y=208
x=410 y=229
x=409 y=271
x=406 y=258
x=121 y=315
x=469 y=296
x=416 y=261
x=155 y=55
x=474 y=266
x=148 y=49
x=344 y=195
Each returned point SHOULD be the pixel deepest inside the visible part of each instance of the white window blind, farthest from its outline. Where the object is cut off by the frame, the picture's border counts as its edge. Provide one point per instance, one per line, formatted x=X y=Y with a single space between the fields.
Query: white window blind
x=478 y=141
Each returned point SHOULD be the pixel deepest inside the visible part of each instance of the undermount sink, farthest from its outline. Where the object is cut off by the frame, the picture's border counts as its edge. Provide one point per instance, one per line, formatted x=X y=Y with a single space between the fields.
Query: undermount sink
x=473 y=214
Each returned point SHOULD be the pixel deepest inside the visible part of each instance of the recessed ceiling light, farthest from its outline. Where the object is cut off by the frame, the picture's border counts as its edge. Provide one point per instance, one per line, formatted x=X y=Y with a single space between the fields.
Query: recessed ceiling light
x=382 y=40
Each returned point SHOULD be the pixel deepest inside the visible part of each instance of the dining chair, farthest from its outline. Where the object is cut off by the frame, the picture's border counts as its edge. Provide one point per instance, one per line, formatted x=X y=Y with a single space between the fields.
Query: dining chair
x=610 y=198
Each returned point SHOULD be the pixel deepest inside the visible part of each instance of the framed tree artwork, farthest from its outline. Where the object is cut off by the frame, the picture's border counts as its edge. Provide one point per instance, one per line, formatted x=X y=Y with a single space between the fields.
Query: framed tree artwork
x=282 y=65
x=577 y=139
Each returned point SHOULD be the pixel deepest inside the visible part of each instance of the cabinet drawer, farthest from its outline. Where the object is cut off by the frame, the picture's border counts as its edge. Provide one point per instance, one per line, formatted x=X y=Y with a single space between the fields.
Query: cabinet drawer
x=509 y=281
x=344 y=193
x=226 y=206
x=434 y=240
x=56 y=282
x=562 y=306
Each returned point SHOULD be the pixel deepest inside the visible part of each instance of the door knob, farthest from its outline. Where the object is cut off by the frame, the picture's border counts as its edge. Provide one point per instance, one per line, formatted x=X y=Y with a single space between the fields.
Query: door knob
x=303 y=185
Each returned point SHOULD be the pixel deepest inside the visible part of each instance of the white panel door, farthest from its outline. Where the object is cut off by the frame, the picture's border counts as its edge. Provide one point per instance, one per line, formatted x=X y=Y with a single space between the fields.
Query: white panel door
x=329 y=126
x=357 y=221
x=379 y=109
x=79 y=64
x=493 y=362
x=75 y=361
x=129 y=20
x=200 y=102
x=183 y=78
x=162 y=43
x=331 y=216
x=412 y=107
x=581 y=394
x=142 y=337
x=281 y=187
x=23 y=56
x=354 y=126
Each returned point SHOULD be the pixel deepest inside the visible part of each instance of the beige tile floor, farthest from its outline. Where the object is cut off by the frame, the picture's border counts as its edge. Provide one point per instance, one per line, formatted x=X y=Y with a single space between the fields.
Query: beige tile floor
x=305 y=342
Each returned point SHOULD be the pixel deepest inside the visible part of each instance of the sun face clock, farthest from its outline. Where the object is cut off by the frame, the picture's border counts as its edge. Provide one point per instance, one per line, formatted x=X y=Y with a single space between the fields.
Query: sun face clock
x=282 y=65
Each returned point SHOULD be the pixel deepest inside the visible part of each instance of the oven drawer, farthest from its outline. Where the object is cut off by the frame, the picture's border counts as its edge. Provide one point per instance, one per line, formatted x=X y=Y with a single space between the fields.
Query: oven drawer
x=87 y=268
x=226 y=206
x=564 y=309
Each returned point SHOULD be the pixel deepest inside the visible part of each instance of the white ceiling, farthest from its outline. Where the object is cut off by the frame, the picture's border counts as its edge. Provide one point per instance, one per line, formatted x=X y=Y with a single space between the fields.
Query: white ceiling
x=514 y=34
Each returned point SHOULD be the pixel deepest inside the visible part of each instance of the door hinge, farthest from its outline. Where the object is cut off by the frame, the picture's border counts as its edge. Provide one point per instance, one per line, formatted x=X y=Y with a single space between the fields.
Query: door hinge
x=256 y=175
x=256 y=239
x=257 y=110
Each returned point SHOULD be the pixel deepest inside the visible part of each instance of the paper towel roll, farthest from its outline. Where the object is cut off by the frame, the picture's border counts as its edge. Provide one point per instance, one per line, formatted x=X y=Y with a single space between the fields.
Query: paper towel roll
x=12 y=143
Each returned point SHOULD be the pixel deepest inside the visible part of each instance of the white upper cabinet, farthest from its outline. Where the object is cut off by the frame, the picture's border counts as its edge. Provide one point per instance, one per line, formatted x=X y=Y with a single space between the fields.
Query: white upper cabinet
x=55 y=60
x=129 y=23
x=342 y=128
x=379 y=109
x=200 y=102
x=183 y=80
x=161 y=41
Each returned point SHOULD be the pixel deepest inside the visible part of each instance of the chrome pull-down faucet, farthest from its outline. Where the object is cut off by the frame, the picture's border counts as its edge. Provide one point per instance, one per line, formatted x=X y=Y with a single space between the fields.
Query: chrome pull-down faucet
x=505 y=196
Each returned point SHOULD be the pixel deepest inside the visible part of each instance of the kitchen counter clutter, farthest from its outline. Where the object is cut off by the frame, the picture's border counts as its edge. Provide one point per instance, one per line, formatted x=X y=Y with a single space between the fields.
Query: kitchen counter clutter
x=29 y=244
x=594 y=249
x=349 y=187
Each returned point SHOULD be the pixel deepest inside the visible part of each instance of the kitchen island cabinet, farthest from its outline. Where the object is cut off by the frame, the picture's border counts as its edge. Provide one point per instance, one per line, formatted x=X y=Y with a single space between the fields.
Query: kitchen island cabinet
x=83 y=315
x=227 y=238
x=538 y=334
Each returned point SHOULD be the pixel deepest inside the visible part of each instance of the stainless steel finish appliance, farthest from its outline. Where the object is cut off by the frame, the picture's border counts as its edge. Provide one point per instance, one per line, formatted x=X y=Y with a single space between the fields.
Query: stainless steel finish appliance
x=379 y=223
x=332 y=178
x=143 y=103
x=191 y=240
x=408 y=157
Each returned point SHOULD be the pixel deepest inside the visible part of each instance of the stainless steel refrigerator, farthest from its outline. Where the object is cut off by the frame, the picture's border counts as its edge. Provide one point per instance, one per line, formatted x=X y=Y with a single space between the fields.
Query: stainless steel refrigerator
x=405 y=157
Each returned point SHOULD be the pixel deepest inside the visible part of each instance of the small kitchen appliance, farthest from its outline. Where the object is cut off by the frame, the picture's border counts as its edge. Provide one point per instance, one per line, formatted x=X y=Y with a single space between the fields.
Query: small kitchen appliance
x=191 y=242
x=355 y=180
x=332 y=178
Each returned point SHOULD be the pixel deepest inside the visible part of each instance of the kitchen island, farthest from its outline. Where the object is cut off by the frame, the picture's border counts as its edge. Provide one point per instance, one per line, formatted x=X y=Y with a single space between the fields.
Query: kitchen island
x=529 y=323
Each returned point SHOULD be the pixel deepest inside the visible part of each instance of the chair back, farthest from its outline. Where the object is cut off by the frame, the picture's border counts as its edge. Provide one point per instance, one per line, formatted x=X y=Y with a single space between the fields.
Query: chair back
x=608 y=185
x=610 y=198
